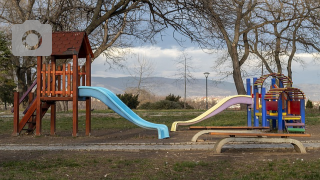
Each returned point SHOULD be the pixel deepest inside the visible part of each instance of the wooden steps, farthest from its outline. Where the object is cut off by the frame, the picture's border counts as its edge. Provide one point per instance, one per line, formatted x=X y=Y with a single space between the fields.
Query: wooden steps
x=29 y=117
x=302 y=130
x=293 y=124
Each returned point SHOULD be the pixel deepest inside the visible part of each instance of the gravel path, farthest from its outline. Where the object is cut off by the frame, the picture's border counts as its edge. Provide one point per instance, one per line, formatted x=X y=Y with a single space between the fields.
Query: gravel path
x=145 y=146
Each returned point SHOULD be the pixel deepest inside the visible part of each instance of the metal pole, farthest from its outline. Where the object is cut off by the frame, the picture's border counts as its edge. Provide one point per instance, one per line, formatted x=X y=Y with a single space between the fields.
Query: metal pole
x=206 y=92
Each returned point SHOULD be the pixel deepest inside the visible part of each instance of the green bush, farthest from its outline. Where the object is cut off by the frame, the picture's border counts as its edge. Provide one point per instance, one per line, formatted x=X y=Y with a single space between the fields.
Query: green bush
x=172 y=97
x=129 y=99
x=309 y=104
x=163 y=104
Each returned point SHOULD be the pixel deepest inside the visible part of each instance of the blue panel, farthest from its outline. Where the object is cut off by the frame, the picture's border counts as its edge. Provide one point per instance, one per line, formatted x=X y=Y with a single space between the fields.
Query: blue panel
x=264 y=109
x=280 y=123
x=113 y=102
x=248 y=109
x=255 y=91
x=302 y=111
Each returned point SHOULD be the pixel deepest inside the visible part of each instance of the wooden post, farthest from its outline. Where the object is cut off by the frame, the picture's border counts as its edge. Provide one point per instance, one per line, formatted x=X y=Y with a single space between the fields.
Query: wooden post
x=49 y=81
x=75 y=95
x=83 y=76
x=88 y=100
x=16 y=114
x=53 y=106
x=53 y=64
x=30 y=98
x=69 y=80
x=59 y=81
x=64 y=80
x=53 y=119
x=43 y=80
x=79 y=76
x=38 y=115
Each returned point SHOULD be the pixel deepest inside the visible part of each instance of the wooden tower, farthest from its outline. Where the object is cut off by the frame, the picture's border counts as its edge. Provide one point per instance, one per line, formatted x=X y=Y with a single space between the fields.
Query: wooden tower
x=58 y=83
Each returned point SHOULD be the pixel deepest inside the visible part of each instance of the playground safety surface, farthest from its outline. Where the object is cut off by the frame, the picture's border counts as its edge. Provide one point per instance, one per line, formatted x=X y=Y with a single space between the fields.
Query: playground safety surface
x=138 y=139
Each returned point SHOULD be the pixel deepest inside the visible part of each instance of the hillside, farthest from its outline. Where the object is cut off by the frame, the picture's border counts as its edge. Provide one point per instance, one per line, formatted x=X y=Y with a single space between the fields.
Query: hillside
x=164 y=86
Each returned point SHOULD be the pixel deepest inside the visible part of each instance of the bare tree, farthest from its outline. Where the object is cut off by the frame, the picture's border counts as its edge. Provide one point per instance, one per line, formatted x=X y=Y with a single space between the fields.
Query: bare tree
x=111 y=25
x=276 y=44
x=141 y=72
x=184 y=69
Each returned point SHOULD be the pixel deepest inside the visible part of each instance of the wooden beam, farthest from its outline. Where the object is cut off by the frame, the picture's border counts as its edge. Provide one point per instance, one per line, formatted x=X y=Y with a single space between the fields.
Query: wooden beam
x=16 y=114
x=75 y=95
x=56 y=98
x=38 y=100
x=226 y=127
x=261 y=134
x=53 y=119
x=53 y=64
x=88 y=100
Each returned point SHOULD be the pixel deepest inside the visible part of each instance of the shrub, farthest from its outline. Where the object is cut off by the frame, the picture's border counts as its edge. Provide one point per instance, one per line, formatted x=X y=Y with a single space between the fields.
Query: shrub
x=129 y=99
x=172 y=97
x=163 y=104
x=309 y=104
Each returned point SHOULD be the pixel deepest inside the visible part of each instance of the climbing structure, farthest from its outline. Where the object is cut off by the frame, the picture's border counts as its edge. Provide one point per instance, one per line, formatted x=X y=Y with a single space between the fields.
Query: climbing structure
x=57 y=83
x=282 y=103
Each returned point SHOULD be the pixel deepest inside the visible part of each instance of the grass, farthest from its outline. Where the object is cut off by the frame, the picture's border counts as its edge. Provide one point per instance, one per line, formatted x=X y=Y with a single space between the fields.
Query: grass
x=107 y=119
x=91 y=165
x=82 y=166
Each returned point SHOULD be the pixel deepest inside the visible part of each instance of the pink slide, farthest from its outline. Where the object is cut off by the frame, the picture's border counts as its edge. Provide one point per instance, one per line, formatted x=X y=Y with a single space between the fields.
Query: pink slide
x=220 y=106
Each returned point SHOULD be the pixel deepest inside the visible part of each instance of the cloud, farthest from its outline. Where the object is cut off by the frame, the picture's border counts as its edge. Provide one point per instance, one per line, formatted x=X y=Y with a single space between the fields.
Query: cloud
x=165 y=63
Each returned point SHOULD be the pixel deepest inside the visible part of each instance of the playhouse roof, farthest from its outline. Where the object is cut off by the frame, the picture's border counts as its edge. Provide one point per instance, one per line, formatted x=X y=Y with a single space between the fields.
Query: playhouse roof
x=65 y=44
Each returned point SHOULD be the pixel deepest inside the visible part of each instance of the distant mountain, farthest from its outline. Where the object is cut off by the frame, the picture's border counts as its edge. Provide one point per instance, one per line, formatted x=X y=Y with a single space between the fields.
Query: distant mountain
x=164 y=86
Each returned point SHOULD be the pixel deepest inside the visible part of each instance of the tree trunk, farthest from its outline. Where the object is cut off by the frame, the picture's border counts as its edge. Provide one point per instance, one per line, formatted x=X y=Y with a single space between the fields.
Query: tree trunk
x=237 y=78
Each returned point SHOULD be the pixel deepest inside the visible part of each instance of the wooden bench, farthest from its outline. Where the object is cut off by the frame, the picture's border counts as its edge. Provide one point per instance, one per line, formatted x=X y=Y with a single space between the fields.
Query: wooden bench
x=228 y=127
x=253 y=136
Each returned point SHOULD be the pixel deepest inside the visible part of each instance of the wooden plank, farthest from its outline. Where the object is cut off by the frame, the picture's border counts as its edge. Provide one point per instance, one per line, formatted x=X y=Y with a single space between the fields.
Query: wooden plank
x=30 y=99
x=53 y=63
x=38 y=101
x=16 y=114
x=53 y=120
x=296 y=130
x=88 y=100
x=225 y=127
x=75 y=95
x=83 y=76
x=43 y=80
x=260 y=134
x=78 y=75
x=69 y=80
x=64 y=80
x=56 y=98
x=49 y=81
x=59 y=81
x=294 y=124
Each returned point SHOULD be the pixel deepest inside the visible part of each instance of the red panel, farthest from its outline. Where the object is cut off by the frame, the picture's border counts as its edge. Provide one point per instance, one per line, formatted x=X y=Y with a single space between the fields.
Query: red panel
x=295 y=107
x=272 y=105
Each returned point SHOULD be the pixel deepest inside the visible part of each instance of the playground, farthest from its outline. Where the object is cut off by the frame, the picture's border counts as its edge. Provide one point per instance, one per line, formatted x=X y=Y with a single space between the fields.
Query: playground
x=274 y=127
x=179 y=163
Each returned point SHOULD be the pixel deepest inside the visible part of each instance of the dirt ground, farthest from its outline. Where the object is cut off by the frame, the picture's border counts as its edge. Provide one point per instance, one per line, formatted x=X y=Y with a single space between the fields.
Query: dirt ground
x=139 y=135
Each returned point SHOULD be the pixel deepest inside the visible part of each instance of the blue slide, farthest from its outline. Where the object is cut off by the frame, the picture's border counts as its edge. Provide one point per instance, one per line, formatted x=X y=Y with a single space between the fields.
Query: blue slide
x=113 y=102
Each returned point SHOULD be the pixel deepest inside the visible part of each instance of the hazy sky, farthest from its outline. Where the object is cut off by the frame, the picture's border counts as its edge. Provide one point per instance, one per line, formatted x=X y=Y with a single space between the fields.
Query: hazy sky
x=165 y=54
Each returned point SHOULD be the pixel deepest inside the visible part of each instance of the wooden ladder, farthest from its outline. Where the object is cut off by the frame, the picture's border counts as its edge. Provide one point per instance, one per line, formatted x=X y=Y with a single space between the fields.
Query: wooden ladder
x=30 y=116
